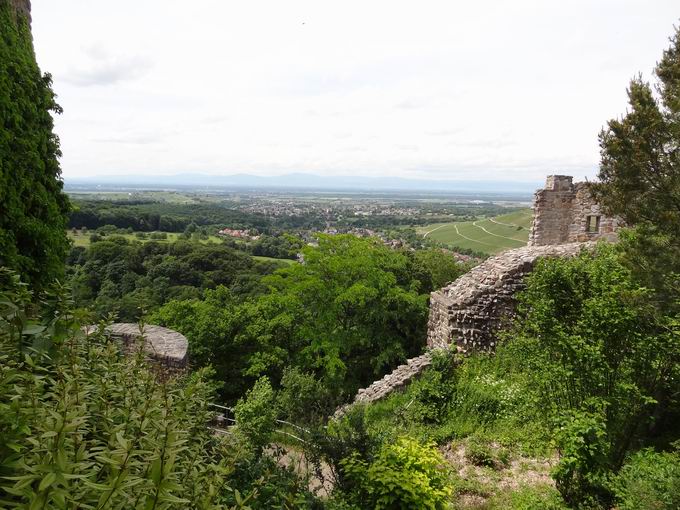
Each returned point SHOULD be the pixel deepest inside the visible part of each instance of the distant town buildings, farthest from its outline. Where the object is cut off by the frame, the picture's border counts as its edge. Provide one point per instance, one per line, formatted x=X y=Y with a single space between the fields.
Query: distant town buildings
x=238 y=234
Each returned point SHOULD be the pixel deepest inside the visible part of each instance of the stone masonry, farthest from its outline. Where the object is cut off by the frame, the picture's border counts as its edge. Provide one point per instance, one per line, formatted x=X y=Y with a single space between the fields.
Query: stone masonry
x=566 y=212
x=469 y=313
x=398 y=378
x=163 y=346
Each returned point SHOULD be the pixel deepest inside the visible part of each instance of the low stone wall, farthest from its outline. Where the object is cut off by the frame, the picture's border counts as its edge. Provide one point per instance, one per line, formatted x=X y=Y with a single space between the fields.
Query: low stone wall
x=163 y=346
x=395 y=380
x=469 y=312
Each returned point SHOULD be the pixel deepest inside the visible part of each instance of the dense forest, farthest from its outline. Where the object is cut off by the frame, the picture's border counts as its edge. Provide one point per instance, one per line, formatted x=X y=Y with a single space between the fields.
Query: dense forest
x=578 y=407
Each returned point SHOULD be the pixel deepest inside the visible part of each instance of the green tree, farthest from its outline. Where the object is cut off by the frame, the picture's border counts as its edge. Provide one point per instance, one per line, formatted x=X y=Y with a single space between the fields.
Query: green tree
x=602 y=363
x=33 y=207
x=349 y=313
x=640 y=172
x=640 y=167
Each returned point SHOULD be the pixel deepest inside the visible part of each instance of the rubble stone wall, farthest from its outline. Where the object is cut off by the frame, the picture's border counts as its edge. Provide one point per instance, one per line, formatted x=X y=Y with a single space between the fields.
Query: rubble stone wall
x=561 y=214
x=396 y=380
x=469 y=313
x=164 y=347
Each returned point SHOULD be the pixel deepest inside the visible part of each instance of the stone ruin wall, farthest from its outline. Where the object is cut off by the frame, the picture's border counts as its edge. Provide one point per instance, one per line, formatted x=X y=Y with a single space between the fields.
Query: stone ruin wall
x=561 y=213
x=163 y=347
x=468 y=314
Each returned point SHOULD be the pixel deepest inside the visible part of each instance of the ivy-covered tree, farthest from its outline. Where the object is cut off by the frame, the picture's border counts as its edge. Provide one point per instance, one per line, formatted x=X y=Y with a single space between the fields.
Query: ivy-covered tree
x=33 y=206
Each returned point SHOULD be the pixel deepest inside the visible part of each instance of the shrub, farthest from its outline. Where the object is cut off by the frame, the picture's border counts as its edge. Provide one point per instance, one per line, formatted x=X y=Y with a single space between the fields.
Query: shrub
x=600 y=362
x=303 y=398
x=405 y=474
x=479 y=454
x=82 y=426
x=256 y=414
x=649 y=481
x=581 y=474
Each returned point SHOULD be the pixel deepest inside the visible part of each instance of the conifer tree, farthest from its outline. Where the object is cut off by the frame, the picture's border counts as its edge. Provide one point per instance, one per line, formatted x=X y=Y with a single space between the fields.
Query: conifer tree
x=33 y=207
x=640 y=152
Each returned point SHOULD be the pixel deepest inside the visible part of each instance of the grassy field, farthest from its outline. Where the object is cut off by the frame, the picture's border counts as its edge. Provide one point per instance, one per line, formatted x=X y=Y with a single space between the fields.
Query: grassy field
x=272 y=259
x=80 y=239
x=488 y=235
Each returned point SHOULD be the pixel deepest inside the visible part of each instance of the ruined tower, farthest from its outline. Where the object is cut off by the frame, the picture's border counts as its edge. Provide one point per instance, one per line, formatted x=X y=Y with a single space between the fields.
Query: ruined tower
x=566 y=212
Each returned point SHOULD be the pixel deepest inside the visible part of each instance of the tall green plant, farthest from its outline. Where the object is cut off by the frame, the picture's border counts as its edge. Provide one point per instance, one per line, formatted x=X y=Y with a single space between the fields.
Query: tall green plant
x=83 y=427
x=601 y=361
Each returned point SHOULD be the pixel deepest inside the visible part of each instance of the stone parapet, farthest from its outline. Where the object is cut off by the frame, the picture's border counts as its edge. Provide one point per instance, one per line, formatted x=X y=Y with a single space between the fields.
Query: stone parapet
x=163 y=346
x=470 y=312
x=398 y=379
x=566 y=212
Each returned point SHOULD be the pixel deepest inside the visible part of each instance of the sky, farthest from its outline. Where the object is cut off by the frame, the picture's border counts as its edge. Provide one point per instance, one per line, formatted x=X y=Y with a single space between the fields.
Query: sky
x=460 y=90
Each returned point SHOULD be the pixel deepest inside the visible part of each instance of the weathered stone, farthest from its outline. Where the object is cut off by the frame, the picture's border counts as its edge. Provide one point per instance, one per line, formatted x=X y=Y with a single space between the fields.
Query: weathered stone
x=561 y=212
x=22 y=7
x=163 y=346
x=469 y=313
x=469 y=316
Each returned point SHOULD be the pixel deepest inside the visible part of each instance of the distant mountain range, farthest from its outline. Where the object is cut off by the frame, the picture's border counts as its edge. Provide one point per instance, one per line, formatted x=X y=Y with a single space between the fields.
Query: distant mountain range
x=302 y=181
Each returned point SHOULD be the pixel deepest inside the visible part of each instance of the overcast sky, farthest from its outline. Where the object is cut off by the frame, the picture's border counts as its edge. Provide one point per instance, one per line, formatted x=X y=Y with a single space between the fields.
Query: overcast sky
x=490 y=89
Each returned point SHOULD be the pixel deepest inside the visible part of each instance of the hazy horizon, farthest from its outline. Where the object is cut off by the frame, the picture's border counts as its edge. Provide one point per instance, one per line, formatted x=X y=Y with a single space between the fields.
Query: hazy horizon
x=490 y=91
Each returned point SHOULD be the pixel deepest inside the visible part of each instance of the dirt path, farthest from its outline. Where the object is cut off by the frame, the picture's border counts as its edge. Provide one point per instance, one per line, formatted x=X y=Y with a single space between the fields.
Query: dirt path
x=473 y=240
x=436 y=228
x=496 y=235
x=507 y=224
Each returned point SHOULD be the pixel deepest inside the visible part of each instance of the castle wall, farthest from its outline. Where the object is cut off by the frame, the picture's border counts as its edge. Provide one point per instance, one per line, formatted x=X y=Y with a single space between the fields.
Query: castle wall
x=22 y=7
x=566 y=212
x=469 y=313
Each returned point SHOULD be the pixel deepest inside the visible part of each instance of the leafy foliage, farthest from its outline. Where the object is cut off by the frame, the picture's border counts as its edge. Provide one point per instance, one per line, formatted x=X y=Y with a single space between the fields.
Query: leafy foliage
x=256 y=414
x=602 y=364
x=129 y=278
x=82 y=426
x=33 y=207
x=640 y=175
x=649 y=480
x=351 y=311
x=405 y=474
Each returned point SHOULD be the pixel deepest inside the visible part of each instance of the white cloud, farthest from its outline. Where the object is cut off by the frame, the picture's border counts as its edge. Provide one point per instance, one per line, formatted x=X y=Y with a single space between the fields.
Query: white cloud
x=461 y=90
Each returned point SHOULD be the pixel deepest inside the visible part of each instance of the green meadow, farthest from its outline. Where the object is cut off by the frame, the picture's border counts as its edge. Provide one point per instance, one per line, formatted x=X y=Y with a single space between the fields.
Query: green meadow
x=487 y=235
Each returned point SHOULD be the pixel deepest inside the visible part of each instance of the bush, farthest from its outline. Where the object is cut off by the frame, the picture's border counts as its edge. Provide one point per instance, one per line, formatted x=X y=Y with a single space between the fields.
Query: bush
x=581 y=474
x=600 y=362
x=649 y=481
x=405 y=474
x=303 y=398
x=82 y=426
x=479 y=454
x=256 y=414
